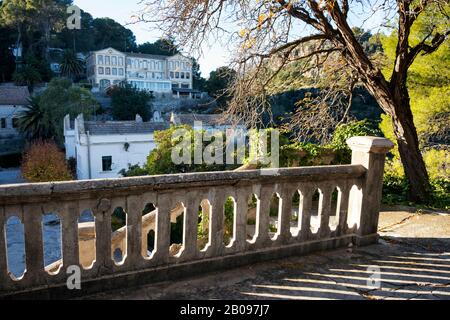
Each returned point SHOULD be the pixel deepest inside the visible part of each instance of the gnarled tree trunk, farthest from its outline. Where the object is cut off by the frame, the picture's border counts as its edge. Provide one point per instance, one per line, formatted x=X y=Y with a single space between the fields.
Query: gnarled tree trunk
x=408 y=147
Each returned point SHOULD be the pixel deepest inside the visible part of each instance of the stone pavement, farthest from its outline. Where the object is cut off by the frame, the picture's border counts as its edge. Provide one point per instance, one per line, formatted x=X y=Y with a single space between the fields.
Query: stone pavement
x=413 y=258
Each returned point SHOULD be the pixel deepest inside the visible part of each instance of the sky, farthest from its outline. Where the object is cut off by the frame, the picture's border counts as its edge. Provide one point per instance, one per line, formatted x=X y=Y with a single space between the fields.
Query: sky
x=214 y=55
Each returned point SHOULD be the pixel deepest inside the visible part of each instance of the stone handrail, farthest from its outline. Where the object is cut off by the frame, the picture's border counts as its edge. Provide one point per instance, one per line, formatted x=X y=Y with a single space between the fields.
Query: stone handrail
x=359 y=185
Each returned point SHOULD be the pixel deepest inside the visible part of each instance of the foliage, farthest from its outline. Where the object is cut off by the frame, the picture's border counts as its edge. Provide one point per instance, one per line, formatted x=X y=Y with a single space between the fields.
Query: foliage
x=7 y=62
x=44 y=162
x=71 y=66
x=28 y=76
x=128 y=101
x=163 y=47
x=353 y=129
x=396 y=185
x=46 y=115
x=34 y=121
x=218 y=83
x=428 y=84
x=109 y=33
x=133 y=171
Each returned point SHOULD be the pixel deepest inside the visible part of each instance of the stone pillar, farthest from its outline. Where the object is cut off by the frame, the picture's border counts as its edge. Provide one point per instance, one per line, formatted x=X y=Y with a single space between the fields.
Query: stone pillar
x=369 y=152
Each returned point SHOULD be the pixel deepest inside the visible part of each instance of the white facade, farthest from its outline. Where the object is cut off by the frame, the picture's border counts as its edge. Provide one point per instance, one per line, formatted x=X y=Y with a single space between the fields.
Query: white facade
x=101 y=154
x=13 y=100
x=8 y=120
x=158 y=74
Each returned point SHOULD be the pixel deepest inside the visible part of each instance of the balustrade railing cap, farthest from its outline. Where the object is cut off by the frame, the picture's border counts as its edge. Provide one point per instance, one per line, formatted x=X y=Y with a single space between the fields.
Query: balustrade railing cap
x=370 y=144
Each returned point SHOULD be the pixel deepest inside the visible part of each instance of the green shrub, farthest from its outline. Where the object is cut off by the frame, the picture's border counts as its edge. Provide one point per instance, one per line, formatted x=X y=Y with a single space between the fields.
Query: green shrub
x=353 y=129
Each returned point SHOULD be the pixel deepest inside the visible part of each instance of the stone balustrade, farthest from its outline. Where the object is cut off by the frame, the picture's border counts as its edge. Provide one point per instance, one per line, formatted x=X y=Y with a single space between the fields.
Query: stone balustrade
x=346 y=212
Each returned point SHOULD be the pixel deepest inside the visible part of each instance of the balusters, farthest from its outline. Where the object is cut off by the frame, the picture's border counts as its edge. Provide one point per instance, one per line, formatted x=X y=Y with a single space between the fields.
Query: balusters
x=241 y=219
x=217 y=198
x=190 y=227
x=103 y=232
x=325 y=212
x=343 y=210
x=284 y=223
x=134 y=209
x=35 y=273
x=3 y=259
x=264 y=217
x=162 y=241
x=306 y=211
x=69 y=235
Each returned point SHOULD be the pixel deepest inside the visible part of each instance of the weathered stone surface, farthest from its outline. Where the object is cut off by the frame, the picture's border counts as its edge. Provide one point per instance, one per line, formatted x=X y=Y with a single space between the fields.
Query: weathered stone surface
x=173 y=195
x=408 y=271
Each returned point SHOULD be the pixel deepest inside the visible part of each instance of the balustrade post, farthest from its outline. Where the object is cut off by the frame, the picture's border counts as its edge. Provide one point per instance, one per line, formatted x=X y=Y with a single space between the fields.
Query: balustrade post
x=70 y=234
x=369 y=152
x=3 y=262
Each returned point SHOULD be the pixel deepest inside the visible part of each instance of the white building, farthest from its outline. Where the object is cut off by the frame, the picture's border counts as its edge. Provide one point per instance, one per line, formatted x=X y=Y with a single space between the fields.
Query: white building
x=163 y=75
x=103 y=149
x=208 y=122
x=13 y=99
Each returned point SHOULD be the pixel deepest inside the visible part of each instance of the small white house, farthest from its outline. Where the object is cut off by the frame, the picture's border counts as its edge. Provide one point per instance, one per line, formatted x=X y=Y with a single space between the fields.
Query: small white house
x=13 y=99
x=103 y=149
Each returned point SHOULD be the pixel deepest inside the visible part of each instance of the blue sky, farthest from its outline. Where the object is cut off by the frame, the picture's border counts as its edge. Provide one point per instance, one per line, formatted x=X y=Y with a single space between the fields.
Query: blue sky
x=214 y=56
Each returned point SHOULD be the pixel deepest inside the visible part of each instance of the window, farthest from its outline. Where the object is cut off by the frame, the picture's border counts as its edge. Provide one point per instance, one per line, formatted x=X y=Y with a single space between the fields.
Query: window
x=100 y=59
x=121 y=73
x=114 y=61
x=101 y=70
x=114 y=71
x=107 y=163
x=15 y=122
x=175 y=85
x=185 y=86
x=177 y=75
x=108 y=71
x=129 y=63
x=3 y=123
x=182 y=75
x=171 y=74
x=188 y=75
x=120 y=61
x=107 y=60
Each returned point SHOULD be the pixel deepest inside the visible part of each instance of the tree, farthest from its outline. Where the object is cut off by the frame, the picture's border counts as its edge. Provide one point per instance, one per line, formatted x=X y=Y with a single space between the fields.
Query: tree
x=160 y=159
x=58 y=100
x=34 y=122
x=15 y=14
x=28 y=75
x=429 y=88
x=71 y=66
x=7 y=63
x=163 y=46
x=268 y=40
x=218 y=83
x=34 y=20
x=109 y=33
x=128 y=101
x=44 y=162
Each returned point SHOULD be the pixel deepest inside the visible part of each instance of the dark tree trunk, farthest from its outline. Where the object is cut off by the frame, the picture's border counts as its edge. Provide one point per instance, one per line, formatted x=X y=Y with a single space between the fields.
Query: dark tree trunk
x=394 y=99
x=409 y=149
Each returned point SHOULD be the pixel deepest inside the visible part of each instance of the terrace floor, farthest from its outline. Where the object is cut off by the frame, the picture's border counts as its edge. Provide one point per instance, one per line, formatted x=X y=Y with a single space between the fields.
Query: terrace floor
x=413 y=256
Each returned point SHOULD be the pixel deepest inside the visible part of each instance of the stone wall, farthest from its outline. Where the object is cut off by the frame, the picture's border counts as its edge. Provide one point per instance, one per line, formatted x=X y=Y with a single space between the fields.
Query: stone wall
x=355 y=221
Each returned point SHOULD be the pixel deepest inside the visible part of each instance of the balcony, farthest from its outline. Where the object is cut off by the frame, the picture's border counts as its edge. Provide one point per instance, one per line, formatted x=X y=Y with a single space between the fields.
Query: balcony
x=318 y=225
